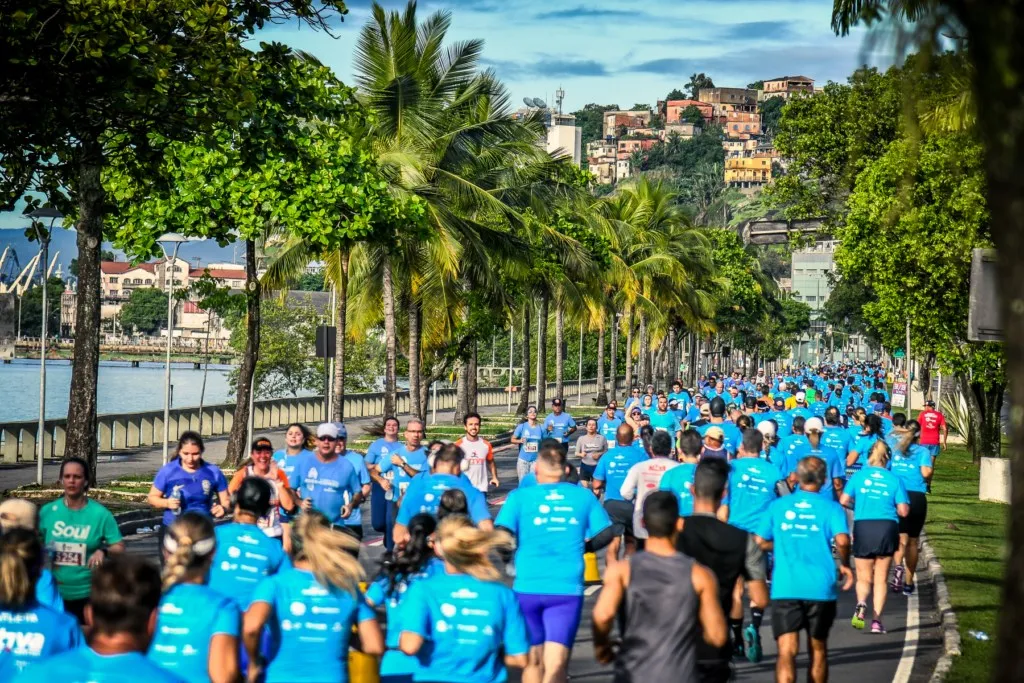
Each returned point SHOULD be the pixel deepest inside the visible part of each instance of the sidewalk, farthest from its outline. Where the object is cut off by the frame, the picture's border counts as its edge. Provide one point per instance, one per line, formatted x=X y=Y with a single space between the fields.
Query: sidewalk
x=147 y=461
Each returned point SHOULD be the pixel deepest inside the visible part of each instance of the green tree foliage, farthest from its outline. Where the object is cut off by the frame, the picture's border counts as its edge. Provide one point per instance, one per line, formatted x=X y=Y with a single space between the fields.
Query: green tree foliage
x=675 y=94
x=692 y=114
x=287 y=365
x=697 y=83
x=590 y=121
x=679 y=158
x=145 y=311
x=640 y=106
x=311 y=282
x=771 y=112
x=756 y=85
x=32 y=309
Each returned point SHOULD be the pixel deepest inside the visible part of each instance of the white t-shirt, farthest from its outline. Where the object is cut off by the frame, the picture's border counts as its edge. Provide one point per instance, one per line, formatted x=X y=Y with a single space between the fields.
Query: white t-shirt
x=474 y=465
x=642 y=479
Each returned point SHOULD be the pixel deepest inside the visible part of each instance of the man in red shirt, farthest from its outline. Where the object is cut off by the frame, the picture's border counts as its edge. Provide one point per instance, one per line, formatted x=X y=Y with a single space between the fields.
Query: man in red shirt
x=932 y=422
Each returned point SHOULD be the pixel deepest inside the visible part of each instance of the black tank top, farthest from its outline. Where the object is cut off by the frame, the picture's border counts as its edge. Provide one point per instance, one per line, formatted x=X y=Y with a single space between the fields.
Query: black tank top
x=659 y=643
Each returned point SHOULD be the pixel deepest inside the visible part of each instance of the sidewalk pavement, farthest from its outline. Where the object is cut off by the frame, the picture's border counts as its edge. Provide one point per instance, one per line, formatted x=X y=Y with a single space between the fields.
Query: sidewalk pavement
x=146 y=461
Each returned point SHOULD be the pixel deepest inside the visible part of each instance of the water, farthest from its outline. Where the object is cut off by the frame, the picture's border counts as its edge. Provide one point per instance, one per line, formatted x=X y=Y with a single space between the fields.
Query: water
x=122 y=388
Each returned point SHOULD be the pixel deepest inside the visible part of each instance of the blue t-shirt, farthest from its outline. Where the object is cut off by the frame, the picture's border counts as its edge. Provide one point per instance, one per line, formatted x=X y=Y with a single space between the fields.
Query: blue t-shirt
x=558 y=426
x=190 y=615
x=47 y=592
x=467 y=625
x=528 y=480
x=82 y=665
x=783 y=423
x=551 y=522
x=733 y=435
x=395 y=662
x=31 y=635
x=532 y=436
x=425 y=491
x=244 y=557
x=802 y=526
x=800 y=412
x=835 y=466
x=876 y=492
x=613 y=467
x=666 y=422
x=381 y=450
x=907 y=466
x=286 y=463
x=328 y=485
x=608 y=428
x=197 y=490
x=416 y=459
x=310 y=627
x=863 y=446
x=363 y=474
x=683 y=397
x=839 y=439
x=751 y=490
x=678 y=481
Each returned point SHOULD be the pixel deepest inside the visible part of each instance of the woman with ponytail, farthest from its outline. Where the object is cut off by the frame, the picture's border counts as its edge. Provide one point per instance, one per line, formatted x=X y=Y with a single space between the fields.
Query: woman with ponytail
x=414 y=562
x=913 y=464
x=23 y=618
x=197 y=628
x=456 y=622
x=311 y=609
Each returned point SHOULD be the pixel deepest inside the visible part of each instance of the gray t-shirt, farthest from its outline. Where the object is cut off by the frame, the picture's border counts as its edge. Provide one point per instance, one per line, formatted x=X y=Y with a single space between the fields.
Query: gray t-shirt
x=590 y=448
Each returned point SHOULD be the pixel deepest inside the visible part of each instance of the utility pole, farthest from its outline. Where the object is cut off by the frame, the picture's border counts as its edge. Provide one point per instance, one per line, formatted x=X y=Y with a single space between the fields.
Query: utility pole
x=910 y=391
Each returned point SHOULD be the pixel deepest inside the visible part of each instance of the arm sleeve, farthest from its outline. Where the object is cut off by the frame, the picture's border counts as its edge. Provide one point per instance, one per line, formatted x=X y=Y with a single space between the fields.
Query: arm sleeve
x=518 y=433
x=364 y=473
x=363 y=610
x=515 y=641
x=754 y=565
x=160 y=480
x=572 y=422
x=375 y=591
x=600 y=469
x=415 y=611
x=597 y=518
x=508 y=515
x=838 y=521
x=901 y=493
x=111 y=532
x=227 y=620
x=478 y=511
x=410 y=500
x=354 y=483
x=764 y=525
x=219 y=482
x=265 y=592
x=628 y=488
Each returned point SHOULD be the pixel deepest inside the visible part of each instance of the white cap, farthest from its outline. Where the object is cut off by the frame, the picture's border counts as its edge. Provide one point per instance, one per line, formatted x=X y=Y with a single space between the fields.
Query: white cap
x=814 y=424
x=767 y=427
x=327 y=429
x=800 y=396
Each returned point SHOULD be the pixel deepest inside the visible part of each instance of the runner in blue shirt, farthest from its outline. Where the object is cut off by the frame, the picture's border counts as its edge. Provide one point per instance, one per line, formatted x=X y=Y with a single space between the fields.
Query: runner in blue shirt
x=377 y=454
x=32 y=632
x=664 y=420
x=835 y=436
x=788 y=447
x=751 y=483
x=801 y=529
x=124 y=598
x=858 y=455
x=415 y=562
x=835 y=462
x=554 y=524
x=559 y=425
x=355 y=520
x=424 y=493
x=311 y=610
x=527 y=436
x=633 y=400
x=189 y=484
x=18 y=513
x=197 y=629
x=608 y=423
x=679 y=480
x=913 y=464
x=326 y=482
x=611 y=472
x=681 y=395
x=879 y=500
x=296 y=437
x=461 y=623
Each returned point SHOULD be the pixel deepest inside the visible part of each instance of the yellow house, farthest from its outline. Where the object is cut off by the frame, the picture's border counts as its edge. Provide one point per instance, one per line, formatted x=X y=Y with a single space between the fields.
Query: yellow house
x=748 y=171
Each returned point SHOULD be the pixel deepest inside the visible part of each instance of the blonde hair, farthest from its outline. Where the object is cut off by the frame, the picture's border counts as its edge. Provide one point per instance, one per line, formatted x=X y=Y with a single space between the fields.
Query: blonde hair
x=878 y=456
x=328 y=552
x=189 y=544
x=21 y=562
x=468 y=548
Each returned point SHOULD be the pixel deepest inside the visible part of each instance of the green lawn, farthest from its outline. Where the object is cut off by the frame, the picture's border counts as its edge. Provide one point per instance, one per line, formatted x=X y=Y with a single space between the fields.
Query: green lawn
x=969 y=537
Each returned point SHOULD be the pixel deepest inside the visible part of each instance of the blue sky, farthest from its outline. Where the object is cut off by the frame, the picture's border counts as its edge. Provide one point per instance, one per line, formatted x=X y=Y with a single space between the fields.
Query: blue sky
x=623 y=52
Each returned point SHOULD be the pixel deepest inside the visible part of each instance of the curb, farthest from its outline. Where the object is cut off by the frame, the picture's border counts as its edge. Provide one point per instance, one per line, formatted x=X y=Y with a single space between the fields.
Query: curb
x=950 y=626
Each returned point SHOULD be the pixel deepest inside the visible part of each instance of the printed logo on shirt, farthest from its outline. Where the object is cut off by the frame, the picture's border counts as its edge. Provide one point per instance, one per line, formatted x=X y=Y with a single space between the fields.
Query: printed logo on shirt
x=79 y=533
x=22 y=644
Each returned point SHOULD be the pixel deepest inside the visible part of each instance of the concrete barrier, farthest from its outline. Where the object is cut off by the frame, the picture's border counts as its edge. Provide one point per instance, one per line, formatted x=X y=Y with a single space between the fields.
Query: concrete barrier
x=128 y=431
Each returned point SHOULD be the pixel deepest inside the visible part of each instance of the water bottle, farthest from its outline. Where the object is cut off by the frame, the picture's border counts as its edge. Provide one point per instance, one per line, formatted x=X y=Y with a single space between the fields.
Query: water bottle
x=176 y=494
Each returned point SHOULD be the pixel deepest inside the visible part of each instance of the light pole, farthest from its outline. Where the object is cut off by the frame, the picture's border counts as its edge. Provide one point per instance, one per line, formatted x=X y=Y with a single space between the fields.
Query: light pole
x=169 y=242
x=579 y=374
x=511 y=345
x=44 y=248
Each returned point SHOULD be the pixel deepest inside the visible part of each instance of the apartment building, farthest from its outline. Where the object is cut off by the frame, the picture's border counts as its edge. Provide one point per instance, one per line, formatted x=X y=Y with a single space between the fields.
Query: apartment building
x=786 y=86
x=741 y=125
x=615 y=121
x=740 y=147
x=673 y=110
x=725 y=100
x=748 y=172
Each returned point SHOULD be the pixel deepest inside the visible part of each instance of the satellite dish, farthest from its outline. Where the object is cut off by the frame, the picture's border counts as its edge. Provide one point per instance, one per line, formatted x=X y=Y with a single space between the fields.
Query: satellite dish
x=528 y=101
x=539 y=103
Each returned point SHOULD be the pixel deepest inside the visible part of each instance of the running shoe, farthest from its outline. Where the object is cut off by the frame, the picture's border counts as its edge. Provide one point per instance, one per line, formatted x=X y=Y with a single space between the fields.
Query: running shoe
x=876 y=626
x=752 y=639
x=897 y=579
x=908 y=589
x=858 y=615
x=737 y=650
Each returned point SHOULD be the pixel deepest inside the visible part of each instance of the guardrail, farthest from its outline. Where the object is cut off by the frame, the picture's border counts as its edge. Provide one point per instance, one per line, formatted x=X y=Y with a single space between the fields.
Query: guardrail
x=127 y=431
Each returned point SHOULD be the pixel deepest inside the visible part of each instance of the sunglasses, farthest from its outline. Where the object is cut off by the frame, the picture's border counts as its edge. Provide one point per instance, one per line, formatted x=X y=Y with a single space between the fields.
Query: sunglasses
x=327 y=438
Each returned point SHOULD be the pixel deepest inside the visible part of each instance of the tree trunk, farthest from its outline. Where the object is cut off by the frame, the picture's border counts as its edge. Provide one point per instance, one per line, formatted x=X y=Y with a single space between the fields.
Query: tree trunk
x=237 y=448
x=673 y=355
x=524 y=393
x=693 y=370
x=630 y=380
x=615 y=358
x=85 y=366
x=643 y=357
x=542 y=353
x=390 y=340
x=462 y=391
x=559 y=351
x=415 y=407
x=341 y=313
x=924 y=376
x=602 y=394
x=472 y=384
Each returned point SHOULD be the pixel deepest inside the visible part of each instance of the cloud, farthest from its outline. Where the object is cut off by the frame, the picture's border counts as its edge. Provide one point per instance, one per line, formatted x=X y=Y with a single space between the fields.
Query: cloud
x=581 y=12
x=763 y=30
x=547 y=66
x=668 y=65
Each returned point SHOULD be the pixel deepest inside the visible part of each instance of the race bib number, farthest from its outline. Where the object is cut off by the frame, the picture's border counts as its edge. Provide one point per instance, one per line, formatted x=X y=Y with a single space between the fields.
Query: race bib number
x=69 y=554
x=530 y=447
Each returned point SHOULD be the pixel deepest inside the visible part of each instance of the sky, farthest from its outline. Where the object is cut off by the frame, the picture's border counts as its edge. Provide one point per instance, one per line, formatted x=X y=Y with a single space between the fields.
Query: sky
x=625 y=52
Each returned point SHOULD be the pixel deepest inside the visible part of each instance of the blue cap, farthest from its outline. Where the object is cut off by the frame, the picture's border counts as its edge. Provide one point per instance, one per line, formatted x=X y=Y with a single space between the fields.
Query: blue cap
x=342 y=430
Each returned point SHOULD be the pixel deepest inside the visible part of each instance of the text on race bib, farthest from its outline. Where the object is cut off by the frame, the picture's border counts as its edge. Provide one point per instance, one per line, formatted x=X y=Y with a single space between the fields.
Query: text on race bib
x=69 y=554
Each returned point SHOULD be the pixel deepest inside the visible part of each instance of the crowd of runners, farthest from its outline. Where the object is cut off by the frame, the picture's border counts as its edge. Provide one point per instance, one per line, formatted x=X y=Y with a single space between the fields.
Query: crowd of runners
x=712 y=506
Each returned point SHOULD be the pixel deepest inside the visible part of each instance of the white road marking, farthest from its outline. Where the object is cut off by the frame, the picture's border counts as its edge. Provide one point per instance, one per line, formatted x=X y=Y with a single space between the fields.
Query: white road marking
x=906 y=666
x=590 y=590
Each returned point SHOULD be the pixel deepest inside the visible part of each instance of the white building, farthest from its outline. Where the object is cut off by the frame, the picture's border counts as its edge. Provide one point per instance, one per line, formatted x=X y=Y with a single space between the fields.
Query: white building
x=564 y=137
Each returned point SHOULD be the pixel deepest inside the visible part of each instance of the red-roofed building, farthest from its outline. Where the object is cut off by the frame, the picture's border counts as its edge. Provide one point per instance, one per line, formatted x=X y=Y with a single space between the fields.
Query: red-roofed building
x=674 y=110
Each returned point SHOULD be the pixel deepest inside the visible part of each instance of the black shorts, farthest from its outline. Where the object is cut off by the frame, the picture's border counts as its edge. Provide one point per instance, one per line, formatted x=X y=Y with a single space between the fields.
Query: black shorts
x=714 y=671
x=875 y=538
x=587 y=472
x=913 y=524
x=793 y=616
x=620 y=512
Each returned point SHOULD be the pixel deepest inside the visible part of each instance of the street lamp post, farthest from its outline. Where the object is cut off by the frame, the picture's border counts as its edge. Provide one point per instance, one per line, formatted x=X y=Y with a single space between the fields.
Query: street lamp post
x=44 y=256
x=169 y=243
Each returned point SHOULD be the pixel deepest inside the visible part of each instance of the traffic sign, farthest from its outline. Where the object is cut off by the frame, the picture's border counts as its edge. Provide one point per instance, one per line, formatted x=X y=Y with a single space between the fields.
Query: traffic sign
x=898 y=353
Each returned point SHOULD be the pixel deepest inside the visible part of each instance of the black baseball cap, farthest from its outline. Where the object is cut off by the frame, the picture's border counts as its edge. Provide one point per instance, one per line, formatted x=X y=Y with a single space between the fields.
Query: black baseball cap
x=262 y=443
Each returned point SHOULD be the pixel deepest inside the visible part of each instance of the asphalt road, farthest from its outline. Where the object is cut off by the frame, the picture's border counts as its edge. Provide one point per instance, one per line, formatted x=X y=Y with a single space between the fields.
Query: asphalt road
x=902 y=655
